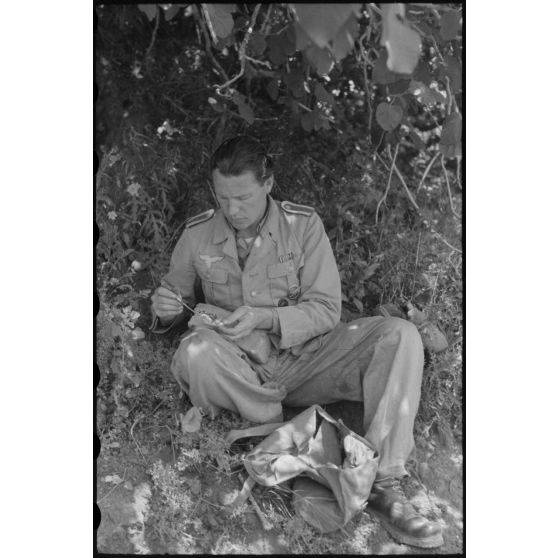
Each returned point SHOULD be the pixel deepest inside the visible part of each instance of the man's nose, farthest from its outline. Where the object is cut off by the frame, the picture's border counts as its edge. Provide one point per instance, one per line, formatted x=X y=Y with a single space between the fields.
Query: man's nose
x=233 y=208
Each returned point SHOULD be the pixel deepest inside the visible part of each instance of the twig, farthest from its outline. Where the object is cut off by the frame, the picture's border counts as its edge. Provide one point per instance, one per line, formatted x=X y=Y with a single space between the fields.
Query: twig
x=265 y=523
x=197 y=15
x=459 y=172
x=266 y=19
x=449 y=189
x=133 y=438
x=400 y=176
x=438 y=235
x=148 y=51
x=209 y=23
x=374 y=8
x=427 y=170
x=416 y=264
x=114 y=487
x=177 y=107
x=242 y=50
x=384 y=197
x=254 y=61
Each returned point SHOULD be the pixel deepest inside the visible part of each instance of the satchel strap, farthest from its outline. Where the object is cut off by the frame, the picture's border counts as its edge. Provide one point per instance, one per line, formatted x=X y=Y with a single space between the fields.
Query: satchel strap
x=260 y=430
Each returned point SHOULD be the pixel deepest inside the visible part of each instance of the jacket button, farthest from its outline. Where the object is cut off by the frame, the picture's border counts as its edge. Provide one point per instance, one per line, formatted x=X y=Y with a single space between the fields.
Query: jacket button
x=253 y=293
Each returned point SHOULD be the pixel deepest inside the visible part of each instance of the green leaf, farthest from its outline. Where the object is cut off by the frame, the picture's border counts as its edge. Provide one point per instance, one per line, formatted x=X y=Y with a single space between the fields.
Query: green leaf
x=358 y=304
x=345 y=38
x=302 y=38
x=173 y=10
x=295 y=82
x=257 y=44
x=322 y=95
x=244 y=109
x=417 y=141
x=381 y=73
x=272 y=89
x=423 y=93
x=450 y=25
x=221 y=19
x=370 y=270
x=150 y=10
x=388 y=116
x=453 y=71
x=307 y=121
x=398 y=87
x=401 y=42
x=322 y=21
x=320 y=59
x=450 y=139
x=422 y=73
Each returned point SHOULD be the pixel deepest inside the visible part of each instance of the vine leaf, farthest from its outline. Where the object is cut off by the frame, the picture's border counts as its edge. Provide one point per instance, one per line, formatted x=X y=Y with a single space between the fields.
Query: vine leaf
x=322 y=95
x=450 y=139
x=424 y=94
x=320 y=59
x=322 y=21
x=272 y=89
x=381 y=73
x=450 y=25
x=171 y=11
x=401 y=42
x=190 y=421
x=453 y=71
x=345 y=38
x=295 y=82
x=417 y=141
x=244 y=109
x=150 y=10
x=388 y=116
x=221 y=19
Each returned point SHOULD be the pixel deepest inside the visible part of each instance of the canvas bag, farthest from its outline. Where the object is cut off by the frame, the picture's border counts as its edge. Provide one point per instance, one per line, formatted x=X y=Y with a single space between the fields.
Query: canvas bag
x=334 y=467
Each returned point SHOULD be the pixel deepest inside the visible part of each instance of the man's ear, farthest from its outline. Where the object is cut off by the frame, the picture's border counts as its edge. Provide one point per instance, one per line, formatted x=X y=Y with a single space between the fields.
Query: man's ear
x=268 y=184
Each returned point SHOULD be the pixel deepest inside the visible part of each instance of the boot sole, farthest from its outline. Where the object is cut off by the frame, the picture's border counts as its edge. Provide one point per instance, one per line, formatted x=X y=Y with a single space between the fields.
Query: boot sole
x=399 y=536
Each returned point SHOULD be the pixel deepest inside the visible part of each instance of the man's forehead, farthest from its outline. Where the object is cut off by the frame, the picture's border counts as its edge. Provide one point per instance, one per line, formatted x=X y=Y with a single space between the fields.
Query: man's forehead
x=235 y=183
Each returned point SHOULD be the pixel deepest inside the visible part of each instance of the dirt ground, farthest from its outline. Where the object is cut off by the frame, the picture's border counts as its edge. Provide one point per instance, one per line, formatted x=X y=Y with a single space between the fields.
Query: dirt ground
x=135 y=518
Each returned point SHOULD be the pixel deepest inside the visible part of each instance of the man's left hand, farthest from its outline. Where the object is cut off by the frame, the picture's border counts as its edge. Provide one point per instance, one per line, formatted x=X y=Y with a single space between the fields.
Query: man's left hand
x=244 y=320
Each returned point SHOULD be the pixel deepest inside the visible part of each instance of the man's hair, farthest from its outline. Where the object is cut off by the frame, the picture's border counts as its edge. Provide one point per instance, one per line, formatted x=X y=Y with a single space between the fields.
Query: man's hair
x=240 y=154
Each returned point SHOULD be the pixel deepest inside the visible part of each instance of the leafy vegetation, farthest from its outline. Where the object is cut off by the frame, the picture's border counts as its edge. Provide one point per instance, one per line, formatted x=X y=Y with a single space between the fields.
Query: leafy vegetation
x=366 y=131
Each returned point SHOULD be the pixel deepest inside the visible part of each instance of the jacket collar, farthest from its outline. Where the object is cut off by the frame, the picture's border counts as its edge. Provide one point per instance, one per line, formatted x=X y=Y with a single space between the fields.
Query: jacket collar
x=223 y=230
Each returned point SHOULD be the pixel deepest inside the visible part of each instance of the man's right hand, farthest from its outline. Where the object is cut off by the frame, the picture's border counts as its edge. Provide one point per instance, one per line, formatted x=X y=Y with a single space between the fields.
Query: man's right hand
x=165 y=304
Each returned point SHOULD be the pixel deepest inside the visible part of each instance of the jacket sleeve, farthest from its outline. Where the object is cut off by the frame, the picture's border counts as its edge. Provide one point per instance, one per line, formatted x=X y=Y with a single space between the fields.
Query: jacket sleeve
x=319 y=307
x=181 y=276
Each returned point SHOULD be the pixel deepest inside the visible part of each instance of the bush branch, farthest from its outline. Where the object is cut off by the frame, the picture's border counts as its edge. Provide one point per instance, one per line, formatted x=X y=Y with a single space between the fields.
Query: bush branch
x=148 y=51
x=242 y=50
x=427 y=170
x=449 y=189
x=384 y=197
x=400 y=176
x=197 y=15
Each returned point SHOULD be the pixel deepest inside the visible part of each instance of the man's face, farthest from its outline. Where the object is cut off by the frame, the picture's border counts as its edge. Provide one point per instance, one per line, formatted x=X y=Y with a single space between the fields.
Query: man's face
x=242 y=198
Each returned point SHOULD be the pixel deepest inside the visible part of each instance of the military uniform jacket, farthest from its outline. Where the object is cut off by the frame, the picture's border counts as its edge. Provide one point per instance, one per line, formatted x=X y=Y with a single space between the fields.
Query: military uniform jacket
x=291 y=267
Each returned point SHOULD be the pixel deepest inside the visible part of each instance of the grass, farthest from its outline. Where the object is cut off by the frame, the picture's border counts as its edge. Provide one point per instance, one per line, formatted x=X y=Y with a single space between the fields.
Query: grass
x=138 y=402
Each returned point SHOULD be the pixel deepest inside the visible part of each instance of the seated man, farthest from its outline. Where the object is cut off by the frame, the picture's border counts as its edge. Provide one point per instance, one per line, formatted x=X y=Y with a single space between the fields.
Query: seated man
x=272 y=266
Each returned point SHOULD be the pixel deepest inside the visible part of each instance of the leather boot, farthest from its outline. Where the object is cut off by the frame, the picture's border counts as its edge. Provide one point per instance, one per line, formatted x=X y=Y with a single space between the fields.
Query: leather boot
x=388 y=501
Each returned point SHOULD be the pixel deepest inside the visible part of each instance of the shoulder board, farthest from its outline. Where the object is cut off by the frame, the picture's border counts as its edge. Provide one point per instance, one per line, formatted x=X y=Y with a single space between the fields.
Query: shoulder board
x=201 y=218
x=297 y=208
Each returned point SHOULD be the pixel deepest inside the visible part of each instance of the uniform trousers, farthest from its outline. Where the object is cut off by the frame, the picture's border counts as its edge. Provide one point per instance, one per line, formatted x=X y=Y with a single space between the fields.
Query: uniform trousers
x=377 y=360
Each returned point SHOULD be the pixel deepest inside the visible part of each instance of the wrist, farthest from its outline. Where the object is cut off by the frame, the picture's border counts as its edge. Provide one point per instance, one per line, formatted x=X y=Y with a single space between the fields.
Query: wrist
x=266 y=320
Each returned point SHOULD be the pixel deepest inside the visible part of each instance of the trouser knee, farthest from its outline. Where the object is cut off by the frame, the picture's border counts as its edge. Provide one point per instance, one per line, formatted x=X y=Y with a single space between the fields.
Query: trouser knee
x=194 y=356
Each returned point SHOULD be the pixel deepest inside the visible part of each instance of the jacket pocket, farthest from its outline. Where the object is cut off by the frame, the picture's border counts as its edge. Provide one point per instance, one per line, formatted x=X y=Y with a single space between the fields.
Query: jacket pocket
x=284 y=284
x=216 y=287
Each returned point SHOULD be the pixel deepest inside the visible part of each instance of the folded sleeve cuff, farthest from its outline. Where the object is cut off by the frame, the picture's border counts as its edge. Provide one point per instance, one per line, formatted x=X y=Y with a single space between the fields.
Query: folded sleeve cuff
x=157 y=325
